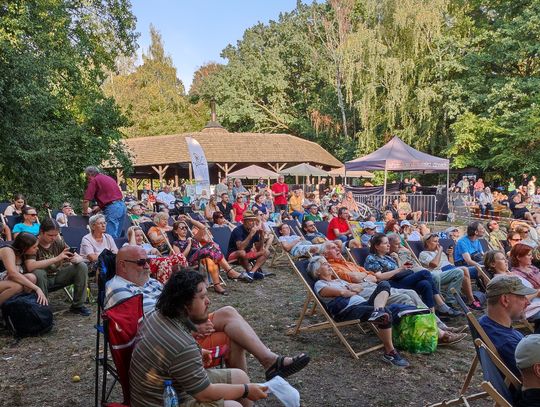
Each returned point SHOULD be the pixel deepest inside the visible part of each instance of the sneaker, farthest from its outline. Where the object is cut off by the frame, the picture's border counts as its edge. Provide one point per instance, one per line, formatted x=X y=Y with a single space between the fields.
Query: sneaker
x=449 y=338
x=450 y=313
x=456 y=329
x=475 y=305
x=244 y=276
x=258 y=275
x=379 y=317
x=85 y=312
x=395 y=358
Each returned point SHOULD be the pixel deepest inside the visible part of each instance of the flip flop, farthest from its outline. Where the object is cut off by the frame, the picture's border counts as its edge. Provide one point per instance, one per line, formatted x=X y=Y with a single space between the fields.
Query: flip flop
x=279 y=369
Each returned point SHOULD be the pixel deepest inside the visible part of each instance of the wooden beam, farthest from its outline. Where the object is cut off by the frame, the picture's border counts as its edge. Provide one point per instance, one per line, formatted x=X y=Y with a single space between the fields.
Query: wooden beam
x=190 y=172
x=119 y=175
x=161 y=170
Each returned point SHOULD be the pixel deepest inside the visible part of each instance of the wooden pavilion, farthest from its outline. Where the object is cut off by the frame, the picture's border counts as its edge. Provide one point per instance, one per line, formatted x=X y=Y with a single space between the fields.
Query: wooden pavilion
x=166 y=158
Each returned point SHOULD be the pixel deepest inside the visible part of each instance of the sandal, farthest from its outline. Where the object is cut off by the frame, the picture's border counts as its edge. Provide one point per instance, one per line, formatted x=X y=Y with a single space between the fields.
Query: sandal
x=232 y=278
x=223 y=292
x=279 y=369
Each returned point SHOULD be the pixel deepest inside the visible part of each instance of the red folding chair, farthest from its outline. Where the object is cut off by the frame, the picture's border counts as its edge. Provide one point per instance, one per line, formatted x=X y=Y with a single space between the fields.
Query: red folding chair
x=120 y=325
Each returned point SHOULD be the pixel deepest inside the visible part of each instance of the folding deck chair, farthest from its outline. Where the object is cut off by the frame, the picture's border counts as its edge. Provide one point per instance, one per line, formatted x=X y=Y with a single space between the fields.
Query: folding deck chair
x=300 y=267
x=359 y=255
x=322 y=226
x=73 y=236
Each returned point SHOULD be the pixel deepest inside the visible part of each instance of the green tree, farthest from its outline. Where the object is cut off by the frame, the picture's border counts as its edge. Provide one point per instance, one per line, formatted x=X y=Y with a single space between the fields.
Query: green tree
x=153 y=97
x=54 y=118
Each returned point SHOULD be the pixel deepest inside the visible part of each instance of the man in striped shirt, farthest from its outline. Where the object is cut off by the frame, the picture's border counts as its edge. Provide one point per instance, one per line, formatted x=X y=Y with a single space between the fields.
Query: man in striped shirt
x=166 y=350
x=223 y=326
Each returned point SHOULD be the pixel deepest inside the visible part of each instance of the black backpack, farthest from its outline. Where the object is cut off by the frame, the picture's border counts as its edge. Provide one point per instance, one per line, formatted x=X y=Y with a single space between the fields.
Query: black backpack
x=26 y=317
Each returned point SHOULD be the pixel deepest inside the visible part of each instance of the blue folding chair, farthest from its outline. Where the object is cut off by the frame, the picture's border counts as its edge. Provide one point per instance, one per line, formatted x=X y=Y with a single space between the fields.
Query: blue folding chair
x=359 y=255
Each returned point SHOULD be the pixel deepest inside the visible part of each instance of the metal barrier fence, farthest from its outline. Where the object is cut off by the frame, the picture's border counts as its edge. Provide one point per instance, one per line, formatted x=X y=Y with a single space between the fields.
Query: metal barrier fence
x=427 y=204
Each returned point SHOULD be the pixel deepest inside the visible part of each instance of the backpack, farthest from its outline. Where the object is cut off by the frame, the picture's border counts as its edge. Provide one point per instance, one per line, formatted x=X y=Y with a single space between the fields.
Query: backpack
x=26 y=317
x=416 y=333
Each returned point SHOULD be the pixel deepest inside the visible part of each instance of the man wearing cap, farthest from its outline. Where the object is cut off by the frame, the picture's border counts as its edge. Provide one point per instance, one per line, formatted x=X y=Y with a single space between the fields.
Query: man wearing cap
x=506 y=302
x=528 y=361
x=105 y=191
x=370 y=228
x=339 y=228
x=247 y=243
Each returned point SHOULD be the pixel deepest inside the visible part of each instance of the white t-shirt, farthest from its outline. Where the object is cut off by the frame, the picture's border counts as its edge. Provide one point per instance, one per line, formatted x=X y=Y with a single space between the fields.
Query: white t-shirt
x=339 y=284
x=118 y=289
x=426 y=257
x=166 y=198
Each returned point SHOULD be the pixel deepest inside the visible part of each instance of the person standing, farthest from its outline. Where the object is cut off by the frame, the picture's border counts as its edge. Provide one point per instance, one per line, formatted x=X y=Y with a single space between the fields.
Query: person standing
x=280 y=192
x=108 y=196
x=221 y=188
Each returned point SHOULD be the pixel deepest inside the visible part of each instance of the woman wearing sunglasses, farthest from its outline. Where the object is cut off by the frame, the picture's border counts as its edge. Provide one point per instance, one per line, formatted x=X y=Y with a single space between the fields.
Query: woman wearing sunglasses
x=30 y=223
x=201 y=248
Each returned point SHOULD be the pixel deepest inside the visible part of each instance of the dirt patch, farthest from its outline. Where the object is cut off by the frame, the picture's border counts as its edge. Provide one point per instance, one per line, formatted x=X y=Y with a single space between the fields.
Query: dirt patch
x=39 y=371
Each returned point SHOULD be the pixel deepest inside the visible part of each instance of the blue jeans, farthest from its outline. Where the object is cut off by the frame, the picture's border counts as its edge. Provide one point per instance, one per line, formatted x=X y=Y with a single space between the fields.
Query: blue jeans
x=421 y=282
x=473 y=272
x=298 y=214
x=114 y=215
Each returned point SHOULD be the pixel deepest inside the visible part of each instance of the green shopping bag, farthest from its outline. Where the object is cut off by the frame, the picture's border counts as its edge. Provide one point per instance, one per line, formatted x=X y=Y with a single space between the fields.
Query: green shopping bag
x=416 y=333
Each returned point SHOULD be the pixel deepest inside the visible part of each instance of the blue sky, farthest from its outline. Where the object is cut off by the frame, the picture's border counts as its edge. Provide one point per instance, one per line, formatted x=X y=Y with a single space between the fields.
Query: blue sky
x=195 y=32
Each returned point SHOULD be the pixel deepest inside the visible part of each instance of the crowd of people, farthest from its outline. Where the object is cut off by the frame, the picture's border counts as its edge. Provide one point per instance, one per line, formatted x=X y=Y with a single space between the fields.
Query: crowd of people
x=170 y=235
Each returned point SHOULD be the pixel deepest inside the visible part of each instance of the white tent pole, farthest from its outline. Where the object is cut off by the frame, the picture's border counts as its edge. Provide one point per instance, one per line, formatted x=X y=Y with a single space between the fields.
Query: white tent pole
x=384 y=191
x=448 y=187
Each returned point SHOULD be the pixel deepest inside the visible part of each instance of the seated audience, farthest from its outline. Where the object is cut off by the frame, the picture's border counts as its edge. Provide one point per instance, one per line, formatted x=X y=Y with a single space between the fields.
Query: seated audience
x=269 y=201
x=5 y=232
x=339 y=228
x=495 y=263
x=485 y=201
x=224 y=326
x=392 y=226
x=260 y=205
x=520 y=211
x=16 y=279
x=496 y=235
x=136 y=214
x=167 y=332
x=225 y=207
x=512 y=239
x=16 y=208
x=405 y=210
x=201 y=248
x=525 y=234
x=333 y=201
x=158 y=234
x=313 y=214
x=247 y=243
x=296 y=204
x=434 y=258
x=386 y=268
x=219 y=221
x=468 y=251
x=368 y=232
x=345 y=303
x=165 y=199
x=63 y=217
x=453 y=233
x=506 y=303
x=96 y=241
x=30 y=223
x=266 y=225
x=296 y=245
x=351 y=205
x=210 y=208
x=521 y=262
x=238 y=208
x=527 y=357
x=55 y=266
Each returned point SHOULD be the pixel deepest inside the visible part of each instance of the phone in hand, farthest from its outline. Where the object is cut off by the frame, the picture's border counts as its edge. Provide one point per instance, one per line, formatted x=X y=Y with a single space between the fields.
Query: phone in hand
x=73 y=250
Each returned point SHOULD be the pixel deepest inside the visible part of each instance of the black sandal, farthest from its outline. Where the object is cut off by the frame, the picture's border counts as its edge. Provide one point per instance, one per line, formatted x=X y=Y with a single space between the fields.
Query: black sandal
x=279 y=369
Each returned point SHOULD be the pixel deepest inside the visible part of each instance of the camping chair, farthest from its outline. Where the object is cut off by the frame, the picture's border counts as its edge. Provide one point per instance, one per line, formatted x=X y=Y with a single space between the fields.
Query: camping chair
x=12 y=220
x=73 y=236
x=485 y=245
x=300 y=267
x=78 y=221
x=446 y=244
x=322 y=226
x=120 y=241
x=415 y=246
x=359 y=255
x=498 y=378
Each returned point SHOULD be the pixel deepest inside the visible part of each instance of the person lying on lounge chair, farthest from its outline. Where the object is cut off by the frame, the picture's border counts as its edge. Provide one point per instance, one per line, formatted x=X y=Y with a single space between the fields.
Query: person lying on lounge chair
x=297 y=246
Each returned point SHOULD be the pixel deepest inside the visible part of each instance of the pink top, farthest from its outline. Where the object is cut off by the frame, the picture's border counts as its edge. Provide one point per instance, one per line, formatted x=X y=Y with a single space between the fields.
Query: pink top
x=103 y=189
x=531 y=274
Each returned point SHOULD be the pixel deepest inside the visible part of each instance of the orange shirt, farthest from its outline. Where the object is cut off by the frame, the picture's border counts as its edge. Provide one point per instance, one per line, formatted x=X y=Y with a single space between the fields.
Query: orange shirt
x=344 y=268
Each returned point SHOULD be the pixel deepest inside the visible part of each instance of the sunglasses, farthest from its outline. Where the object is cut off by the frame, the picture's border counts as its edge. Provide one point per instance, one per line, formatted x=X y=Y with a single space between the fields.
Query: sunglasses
x=221 y=216
x=516 y=240
x=140 y=262
x=32 y=214
x=185 y=227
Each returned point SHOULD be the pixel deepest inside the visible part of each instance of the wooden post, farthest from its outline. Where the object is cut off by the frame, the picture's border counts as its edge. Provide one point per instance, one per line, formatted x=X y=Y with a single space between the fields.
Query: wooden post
x=119 y=175
x=161 y=170
x=190 y=171
x=226 y=168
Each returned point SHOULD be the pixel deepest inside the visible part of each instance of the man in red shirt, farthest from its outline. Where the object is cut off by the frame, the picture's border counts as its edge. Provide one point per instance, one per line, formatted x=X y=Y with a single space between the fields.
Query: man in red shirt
x=105 y=191
x=339 y=228
x=280 y=192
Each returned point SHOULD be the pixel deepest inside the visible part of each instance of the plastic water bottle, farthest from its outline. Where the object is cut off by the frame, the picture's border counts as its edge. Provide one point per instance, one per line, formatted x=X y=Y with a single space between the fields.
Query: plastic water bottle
x=170 y=398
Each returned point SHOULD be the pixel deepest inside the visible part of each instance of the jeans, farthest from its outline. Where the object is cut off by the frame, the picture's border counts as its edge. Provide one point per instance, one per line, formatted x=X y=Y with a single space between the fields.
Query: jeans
x=473 y=272
x=363 y=311
x=421 y=282
x=114 y=214
x=76 y=274
x=280 y=207
x=486 y=207
x=452 y=278
x=298 y=214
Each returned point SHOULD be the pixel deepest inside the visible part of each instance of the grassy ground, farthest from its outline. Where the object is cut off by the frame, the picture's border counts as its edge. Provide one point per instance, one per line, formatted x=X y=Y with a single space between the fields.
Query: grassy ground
x=38 y=371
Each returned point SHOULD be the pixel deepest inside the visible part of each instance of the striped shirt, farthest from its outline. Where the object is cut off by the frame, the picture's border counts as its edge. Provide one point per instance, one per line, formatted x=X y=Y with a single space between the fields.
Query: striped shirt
x=165 y=351
x=118 y=289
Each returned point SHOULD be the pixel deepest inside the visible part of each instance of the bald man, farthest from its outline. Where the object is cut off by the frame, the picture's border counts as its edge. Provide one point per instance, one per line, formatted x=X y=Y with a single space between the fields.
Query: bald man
x=224 y=326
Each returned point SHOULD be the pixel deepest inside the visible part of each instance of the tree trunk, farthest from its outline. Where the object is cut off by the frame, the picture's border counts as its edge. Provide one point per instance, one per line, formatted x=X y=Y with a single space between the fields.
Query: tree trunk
x=341 y=104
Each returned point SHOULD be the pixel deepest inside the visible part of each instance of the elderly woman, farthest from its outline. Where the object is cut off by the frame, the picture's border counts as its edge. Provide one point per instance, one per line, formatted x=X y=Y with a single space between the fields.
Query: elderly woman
x=17 y=206
x=296 y=245
x=485 y=201
x=202 y=248
x=527 y=235
x=62 y=217
x=210 y=208
x=158 y=234
x=16 y=279
x=29 y=224
x=239 y=190
x=345 y=302
x=386 y=268
x=495 y=263
x=96 y=241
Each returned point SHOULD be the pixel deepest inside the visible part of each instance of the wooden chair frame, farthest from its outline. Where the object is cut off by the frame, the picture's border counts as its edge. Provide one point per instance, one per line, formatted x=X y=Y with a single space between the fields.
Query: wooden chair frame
x=329 y=322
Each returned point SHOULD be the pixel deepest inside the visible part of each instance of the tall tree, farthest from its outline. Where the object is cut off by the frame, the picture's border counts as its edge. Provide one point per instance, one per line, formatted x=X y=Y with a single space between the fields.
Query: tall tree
x=153 y=97
x=54 y=118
